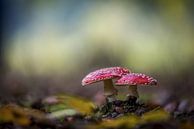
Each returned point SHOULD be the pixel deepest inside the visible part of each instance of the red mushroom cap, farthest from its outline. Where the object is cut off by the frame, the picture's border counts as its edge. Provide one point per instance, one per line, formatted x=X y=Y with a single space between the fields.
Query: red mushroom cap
x=104 y=74
x=136 y=79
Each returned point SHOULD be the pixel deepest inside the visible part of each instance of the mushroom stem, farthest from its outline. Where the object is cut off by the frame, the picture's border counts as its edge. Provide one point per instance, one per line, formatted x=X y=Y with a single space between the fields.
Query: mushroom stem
x=109 y=90
x=132 y=91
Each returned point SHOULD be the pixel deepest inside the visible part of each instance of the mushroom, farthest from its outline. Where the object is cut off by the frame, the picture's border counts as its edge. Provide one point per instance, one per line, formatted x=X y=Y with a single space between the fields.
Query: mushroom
x=106 y=75
x=134 y=79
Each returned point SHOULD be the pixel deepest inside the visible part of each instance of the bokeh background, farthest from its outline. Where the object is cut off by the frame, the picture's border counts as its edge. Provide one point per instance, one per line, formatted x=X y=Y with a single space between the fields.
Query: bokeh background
x=48 y=46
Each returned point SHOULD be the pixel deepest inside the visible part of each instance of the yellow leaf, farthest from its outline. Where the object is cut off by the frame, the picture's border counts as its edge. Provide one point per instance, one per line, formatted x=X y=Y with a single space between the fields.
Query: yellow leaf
x=81 y=105
x=6 y=115
x=12 y=113
x=131 y=121
x=126 y=121
x=158 y=115
x=19 y=115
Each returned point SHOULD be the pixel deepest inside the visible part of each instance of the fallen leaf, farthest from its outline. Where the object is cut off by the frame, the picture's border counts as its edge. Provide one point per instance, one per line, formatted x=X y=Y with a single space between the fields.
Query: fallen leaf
x=64 y=102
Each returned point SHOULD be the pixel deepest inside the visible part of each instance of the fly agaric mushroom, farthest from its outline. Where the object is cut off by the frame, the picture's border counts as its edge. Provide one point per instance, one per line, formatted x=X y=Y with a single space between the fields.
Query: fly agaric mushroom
x=134 y=79
x=106 y=75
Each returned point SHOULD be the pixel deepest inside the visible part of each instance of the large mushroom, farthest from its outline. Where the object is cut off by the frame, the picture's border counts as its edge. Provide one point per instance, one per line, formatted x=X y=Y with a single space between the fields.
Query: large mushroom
x=132 y=80
x=106 y=75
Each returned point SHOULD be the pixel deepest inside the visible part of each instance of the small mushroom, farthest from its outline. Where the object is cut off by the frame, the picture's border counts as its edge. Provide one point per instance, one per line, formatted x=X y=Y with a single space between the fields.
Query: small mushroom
x=106 y=75
x=134 y=79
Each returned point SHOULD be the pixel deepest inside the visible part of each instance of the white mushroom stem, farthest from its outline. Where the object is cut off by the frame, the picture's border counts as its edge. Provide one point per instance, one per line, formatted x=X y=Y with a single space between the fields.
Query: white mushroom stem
x=109 y=91
x=132 y=91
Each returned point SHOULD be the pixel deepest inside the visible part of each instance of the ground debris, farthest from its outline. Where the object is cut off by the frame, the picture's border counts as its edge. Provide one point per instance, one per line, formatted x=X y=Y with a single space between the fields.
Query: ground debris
x=70 y=112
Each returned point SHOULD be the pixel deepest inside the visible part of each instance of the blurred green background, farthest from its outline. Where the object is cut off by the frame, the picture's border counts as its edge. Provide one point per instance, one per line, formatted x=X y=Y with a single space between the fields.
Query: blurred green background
x=48 y=46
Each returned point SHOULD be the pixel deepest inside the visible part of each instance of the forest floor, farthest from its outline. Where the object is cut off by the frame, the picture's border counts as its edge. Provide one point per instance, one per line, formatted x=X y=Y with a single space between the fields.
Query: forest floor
x=73 y=112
